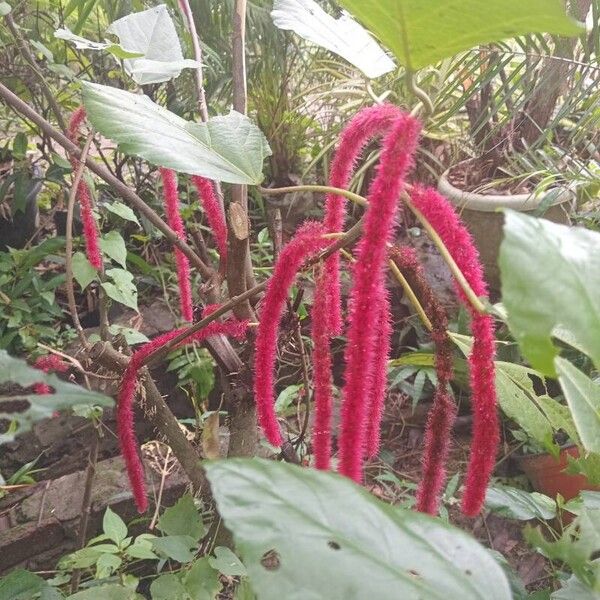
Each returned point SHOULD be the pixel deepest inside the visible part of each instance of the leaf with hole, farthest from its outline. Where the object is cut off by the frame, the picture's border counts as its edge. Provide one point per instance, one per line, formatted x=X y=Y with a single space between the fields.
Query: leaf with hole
x=343 y=36
x=228 y=148
x=422 y=32
x=302 y=529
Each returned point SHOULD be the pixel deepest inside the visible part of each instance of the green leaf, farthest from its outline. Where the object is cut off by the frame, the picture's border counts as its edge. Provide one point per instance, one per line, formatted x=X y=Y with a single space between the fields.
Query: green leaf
x=226 y=562
x=514 y=503
x=168 y=587
x=574 y=589
x=82 y=43
x=550 y=286
x=132 y=336
x=177 y=547
x=229 y=148
x=302 y=529
x=113 y=245
x=141 y=548
x=123 y=289
x=244 y=591
x=583 y=398
x=20 y=585
x=4 y=8
x=106 y=565
x=83 y=271
x=40 y=407
x=152 y=34
x=123 y=211
x=182 y=518
x=114 y=527
x=107 y=592
x=19 y=146
x=343 y=36
x=202 y=581
x=286 y=397
x=422 y=32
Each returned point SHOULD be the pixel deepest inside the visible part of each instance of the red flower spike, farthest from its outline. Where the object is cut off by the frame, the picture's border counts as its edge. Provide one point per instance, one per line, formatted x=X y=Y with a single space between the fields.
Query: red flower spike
x=379 y=370
x=49 y=363
x=321 y=358
x=396 y=158
x=307 y=242
x=171 y=203
x=125 y=420
x=367 y=124
x=486 y=435
x=214 y=213
x=443 y=413
x=90 y=229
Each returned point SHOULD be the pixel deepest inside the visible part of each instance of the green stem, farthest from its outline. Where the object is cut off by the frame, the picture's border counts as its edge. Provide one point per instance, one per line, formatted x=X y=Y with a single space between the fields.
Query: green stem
x=323 y=189
x=419 y=93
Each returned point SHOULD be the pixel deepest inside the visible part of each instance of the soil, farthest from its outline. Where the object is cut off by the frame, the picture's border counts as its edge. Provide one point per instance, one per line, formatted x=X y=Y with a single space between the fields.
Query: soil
x=474 y=176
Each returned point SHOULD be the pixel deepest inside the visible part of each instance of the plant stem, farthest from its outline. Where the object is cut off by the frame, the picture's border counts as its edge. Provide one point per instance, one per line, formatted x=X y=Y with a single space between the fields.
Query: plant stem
x=410 y=295
x=419 y=93
x=456 y=272
x=323 y=189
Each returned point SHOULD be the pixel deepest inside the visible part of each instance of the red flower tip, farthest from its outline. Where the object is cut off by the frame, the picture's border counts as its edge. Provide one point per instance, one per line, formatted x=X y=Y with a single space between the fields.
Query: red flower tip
x=397 y=152
x=443 y=413
x=486 y=434
x=51 y=363
x=77 y=118
x=125 y=420
x=171 y=204
x=214 y=213
x=307 y=242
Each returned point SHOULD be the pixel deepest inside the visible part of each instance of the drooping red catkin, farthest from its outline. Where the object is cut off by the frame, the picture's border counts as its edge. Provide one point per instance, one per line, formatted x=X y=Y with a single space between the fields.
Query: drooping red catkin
x=396 y=158
x=125 y=417
x=214 y=213
x=322 y=381
x=49 y=363
x=486 y=436
x=378 y=371
x=443 y=413
x=367 y=124
x=306 y=243
x=90 y=229
x=171 y=204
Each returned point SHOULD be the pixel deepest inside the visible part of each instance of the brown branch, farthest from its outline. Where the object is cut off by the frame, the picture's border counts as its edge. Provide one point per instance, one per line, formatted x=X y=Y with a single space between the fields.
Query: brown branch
x=122 y=189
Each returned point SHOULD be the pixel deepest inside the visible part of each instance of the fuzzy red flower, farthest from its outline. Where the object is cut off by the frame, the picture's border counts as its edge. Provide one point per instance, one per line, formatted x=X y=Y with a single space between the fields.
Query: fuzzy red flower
x=214 y=213
x=125 y=417
x=306 y=243
x=49 y=363
x=443 y=413
x=171 y=203
x=367 y=124
x=84 y=196
x=396 y=158
x=486 y=435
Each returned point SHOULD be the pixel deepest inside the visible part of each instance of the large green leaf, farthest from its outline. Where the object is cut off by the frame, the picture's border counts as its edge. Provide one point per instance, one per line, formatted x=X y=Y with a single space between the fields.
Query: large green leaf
x=422 y=32
x=303 y=533
x=514 y=503
x=20 y=585
x=583 y=398
x=152 y=34
x=43 y=406
x=344 y=36
x=228 y=148
x=551 y=287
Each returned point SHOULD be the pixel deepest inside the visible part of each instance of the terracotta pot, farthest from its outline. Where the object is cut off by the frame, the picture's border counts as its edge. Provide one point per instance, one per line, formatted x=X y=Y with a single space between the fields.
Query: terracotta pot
x=480 y=213
x=547 y=475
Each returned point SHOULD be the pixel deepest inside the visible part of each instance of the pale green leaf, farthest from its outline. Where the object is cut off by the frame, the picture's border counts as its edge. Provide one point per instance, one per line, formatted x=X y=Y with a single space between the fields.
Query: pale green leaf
x=226 y=562
x=168 y=587
x=202 y=581
x=4 y=8
x=422 y=32
x=152 y=34
x=20 y=585
x=40 y=407
x=583 y=397
x=178 y=547
x=113 y=245
x=82 y=43
x=343 y=36
x=107 y=592
x=131 y=336
x=286 y=397
x=123 y=289
x=113 y=526
x=302 y=529
x=123 y=211
x=83 y=272
x=514 y=503
x=228 y=148
x=183 y=518
x=550 y=285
